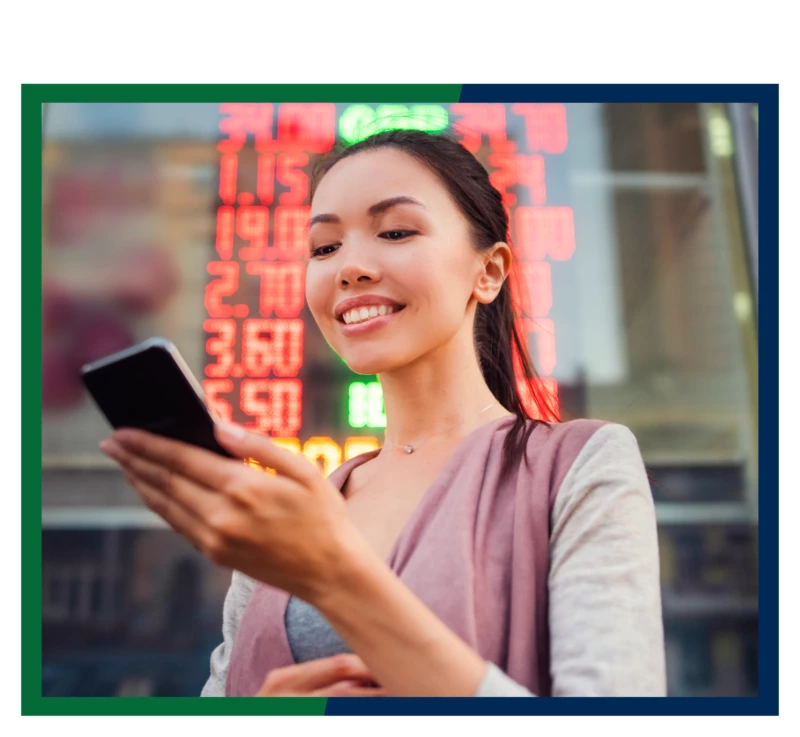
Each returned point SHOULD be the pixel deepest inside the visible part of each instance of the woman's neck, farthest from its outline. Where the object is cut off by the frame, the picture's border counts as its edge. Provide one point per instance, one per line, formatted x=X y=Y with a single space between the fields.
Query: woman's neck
x=441 y=395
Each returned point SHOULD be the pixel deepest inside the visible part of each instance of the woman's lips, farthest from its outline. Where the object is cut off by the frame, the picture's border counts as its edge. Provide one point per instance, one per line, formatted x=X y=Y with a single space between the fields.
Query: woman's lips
x=373 y=323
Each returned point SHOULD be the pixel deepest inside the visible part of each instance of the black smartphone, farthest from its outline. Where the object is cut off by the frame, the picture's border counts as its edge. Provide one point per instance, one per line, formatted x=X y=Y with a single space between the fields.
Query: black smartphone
x=150 y=387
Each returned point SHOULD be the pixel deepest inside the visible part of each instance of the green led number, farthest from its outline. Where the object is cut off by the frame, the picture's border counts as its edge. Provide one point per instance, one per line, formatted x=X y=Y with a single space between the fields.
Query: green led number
x=365 y=404
x=359 y=121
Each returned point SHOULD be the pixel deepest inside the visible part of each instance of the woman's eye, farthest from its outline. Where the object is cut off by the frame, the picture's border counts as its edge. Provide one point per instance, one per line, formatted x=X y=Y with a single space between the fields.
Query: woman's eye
x=397 y=235
x=324 y=250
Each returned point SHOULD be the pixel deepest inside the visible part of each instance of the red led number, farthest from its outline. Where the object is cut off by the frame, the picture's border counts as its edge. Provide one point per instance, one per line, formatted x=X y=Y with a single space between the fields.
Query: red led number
x=543 y=232
x=282 y=288
x=221 y=407
x=291 y=232
x=225 y=228
x=228 y=173
x=310 y=127
x=225 y=286
x=272 y=346
x=276 y=404
x=233 y=126
x=530 y=174
x=273 y=251
x=289 y=173
x=265 y=181
x=504 y=176
x=301 y=126
x=221 y=346
x=252 y=225
x=519 y=170
x=545 y=126
x=478 y=120
x=241 y=119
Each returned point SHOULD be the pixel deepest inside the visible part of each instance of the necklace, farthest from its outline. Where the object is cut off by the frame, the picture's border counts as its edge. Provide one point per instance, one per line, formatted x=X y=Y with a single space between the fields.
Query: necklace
x=411 y=448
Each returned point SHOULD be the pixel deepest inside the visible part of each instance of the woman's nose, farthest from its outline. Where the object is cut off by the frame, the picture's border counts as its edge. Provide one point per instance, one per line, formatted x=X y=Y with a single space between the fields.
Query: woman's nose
x=356 y=270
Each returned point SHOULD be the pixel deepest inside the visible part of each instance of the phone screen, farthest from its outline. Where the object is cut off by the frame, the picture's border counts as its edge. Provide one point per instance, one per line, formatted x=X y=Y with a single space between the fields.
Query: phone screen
x=148 y=390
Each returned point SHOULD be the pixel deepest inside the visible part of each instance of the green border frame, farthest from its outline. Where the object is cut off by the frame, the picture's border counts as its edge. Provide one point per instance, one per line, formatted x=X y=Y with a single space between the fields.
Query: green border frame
x=33 y=97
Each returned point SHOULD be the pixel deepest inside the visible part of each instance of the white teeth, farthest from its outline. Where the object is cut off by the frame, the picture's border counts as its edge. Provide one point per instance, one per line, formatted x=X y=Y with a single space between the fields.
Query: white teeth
x=359 y=314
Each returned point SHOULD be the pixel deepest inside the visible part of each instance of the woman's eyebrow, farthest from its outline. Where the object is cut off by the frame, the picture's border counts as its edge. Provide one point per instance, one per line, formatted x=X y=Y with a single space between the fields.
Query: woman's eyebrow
x=324 y=218
x=377 y=209
x=380 y=207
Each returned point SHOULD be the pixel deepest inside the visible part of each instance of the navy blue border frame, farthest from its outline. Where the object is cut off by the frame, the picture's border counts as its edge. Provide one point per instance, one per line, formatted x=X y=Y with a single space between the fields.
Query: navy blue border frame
x=766 y=703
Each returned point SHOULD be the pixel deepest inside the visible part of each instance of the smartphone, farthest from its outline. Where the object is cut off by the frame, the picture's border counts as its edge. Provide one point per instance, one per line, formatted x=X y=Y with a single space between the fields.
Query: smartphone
x=150 y=387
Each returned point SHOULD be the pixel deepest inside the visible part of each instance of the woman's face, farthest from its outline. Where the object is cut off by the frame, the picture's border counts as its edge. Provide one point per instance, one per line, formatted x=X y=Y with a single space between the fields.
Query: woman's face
x=384 y=230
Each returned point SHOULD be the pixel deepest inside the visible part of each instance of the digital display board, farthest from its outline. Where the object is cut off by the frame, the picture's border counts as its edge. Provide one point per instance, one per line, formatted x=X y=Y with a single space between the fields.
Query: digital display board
x=259 y=334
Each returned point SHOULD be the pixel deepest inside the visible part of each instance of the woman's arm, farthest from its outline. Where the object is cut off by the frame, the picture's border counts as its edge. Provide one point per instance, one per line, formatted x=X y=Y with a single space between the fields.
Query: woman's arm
x=291 y=531
x=406 y=647
x=232 y=610
x=606 y=627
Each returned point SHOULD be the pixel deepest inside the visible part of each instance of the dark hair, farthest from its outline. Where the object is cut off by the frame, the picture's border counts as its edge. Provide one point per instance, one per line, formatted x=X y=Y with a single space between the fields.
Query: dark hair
x=501 y=348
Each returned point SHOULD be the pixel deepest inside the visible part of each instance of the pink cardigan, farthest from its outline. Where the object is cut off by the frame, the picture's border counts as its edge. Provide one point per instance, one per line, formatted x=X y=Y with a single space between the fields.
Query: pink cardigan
x=475 y=550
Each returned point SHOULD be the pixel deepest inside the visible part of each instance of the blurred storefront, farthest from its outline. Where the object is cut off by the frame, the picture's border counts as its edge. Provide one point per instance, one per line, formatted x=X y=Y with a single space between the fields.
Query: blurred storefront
x=635 y=228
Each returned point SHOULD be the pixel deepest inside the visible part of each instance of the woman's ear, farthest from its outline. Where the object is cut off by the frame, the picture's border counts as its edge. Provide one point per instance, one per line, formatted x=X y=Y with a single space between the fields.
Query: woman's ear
x=496 y=264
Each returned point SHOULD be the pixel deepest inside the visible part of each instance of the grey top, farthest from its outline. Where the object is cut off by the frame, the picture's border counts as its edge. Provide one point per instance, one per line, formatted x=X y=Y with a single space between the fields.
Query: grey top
x=309 y=633
x=606 y=630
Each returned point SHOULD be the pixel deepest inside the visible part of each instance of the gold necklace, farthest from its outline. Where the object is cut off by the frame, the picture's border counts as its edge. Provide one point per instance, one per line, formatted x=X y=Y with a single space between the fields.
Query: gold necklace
x=411 y=448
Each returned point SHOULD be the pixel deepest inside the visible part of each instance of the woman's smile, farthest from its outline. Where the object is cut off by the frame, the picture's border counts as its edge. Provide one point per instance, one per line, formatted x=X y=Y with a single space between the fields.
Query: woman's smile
x=360 y=323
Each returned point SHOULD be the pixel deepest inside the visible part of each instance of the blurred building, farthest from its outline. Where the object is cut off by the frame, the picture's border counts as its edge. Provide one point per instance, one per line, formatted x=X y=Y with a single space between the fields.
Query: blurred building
x=634 y=226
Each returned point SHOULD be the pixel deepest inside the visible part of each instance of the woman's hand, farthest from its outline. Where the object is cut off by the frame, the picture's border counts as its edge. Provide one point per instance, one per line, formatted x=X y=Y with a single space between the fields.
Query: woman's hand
x=289 y=529
x=340 y=675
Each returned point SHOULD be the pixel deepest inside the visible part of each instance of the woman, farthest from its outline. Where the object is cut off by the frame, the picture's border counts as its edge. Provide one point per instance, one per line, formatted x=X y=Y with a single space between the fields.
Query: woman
x=478 y=552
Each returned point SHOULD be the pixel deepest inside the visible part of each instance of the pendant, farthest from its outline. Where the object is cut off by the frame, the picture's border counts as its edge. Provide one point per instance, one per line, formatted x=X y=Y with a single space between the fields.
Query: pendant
x=408 y=449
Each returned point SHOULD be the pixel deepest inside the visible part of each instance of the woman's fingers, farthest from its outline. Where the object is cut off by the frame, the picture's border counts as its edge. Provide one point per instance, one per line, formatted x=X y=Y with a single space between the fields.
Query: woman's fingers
x=252 y=445
x=201 y=466
x=175 y=471
x=315 y=675
x=324 y=672
x=347 y=688
x=199 y=500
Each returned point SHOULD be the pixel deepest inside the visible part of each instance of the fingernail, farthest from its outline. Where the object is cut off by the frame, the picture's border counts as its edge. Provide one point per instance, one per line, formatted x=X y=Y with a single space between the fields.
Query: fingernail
x=110 y=448
x=233 y=432
x=120 y=436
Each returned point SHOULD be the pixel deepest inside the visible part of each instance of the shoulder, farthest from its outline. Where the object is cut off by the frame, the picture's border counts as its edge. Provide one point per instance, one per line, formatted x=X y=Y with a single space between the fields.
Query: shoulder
x=611 y=446
x=584 y=452
x=556 y=446
x=569 y=435
x=608 y=469
x=578 y=440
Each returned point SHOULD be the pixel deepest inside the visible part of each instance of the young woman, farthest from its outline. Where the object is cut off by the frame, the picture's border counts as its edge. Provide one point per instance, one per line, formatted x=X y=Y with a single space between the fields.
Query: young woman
x=478 y=552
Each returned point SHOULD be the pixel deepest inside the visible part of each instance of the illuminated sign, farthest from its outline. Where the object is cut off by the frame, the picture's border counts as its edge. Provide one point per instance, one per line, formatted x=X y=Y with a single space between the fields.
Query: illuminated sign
x=324 y=451
x=254 y=328
x=359 y=121
x=365 y=404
